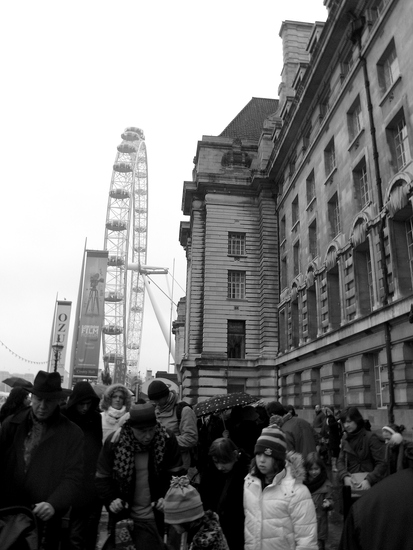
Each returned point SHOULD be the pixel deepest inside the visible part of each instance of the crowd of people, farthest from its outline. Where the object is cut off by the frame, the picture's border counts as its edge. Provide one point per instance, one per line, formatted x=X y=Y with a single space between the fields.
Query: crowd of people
x=255 y=477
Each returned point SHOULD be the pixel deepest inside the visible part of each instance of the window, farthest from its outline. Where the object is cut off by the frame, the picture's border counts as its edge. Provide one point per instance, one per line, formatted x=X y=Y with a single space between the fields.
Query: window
x=361 y=184
x=334 y=216
x=354 y=120
x=324 y=103
x=296 y=256
x=307 y=137
x=409 y=234
x=282 y=229
x=236 y=285
x=401 y=143
x=364 y=278
x=398 y=139
x=294 y=211
x=378 y=382
x=333 y=297
x=236 y=244
x=329 y=158
x=388 y=67
x=310 y=183
x=236 y=340
x=347 y=63
x=312 y=239
x=284 y=272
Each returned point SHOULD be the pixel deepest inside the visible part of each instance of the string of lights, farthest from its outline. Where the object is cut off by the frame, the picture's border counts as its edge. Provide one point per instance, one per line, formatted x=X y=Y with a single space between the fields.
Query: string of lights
x=22 y=358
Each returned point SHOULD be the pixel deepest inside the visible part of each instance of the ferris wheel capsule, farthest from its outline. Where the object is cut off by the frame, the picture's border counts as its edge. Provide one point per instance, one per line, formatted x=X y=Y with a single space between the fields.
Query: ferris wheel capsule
x=126 y=243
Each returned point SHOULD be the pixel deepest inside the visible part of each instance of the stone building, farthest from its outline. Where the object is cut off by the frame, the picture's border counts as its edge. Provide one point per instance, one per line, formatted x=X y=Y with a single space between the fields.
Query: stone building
x=342 y=166
x=226 y=331
x=333 y=169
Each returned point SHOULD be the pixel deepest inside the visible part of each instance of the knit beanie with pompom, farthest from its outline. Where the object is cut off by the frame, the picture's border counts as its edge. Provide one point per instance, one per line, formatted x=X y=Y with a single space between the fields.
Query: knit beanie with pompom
x=182 y=502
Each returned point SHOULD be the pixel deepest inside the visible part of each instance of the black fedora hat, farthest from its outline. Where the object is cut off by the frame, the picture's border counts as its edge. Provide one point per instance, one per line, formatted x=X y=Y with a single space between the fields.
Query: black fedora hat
x=47 y=385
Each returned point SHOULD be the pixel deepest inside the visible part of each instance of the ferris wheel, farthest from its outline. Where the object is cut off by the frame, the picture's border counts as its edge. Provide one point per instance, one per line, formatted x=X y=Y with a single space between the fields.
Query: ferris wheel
x=126 y=242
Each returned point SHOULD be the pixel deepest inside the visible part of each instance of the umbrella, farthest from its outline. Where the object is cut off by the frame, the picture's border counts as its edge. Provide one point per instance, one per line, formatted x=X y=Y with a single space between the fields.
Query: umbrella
x=220 y=403
x=15 y=381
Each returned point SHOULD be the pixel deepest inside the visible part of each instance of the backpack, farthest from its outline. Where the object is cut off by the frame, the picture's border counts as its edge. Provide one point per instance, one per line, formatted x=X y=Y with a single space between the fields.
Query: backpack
x=193 y=450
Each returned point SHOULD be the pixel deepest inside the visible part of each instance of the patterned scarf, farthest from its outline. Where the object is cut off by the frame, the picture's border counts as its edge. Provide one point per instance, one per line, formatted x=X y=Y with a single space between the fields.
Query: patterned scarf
x=33 y=438
x=128 y=446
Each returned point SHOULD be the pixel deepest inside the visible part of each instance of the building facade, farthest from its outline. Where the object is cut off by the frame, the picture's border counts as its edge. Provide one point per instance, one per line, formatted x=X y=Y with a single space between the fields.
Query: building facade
x=342 y=165
x=226 y=331
x=326 y=207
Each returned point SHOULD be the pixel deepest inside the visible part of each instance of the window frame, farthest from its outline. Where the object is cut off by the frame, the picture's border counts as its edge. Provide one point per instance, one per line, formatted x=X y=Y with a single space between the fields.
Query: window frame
x=237 y=239
x=236 y=287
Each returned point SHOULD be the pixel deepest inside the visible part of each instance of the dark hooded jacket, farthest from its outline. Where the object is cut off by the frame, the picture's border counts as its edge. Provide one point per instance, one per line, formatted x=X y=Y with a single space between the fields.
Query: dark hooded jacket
x=91 y=425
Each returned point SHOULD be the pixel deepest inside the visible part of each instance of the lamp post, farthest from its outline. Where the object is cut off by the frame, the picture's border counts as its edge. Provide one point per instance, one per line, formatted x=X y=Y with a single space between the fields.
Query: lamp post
x=57 y=349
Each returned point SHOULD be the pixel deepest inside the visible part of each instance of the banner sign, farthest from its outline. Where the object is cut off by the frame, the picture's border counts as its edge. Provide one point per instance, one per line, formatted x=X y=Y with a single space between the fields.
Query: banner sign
x=119 y=375
x=91 y=315
x=60 y=332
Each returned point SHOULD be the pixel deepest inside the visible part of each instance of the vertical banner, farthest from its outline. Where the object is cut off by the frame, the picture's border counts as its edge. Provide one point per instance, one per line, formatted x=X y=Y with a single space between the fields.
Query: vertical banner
x=91 y=315
x=119 y=375
x=60 y=331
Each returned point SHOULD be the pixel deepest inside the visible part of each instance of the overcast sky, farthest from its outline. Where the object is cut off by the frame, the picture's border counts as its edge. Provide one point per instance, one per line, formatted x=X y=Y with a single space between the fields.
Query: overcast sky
x=74 y=75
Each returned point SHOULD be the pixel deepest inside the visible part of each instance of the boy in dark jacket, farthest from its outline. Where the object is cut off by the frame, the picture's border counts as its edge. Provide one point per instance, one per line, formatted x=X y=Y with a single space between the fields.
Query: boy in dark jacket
x=82 y=410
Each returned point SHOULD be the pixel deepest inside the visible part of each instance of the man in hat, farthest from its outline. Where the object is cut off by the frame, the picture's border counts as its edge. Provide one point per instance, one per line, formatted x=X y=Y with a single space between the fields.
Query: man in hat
x=175 y=415
x=41 y=458
x=134 y=472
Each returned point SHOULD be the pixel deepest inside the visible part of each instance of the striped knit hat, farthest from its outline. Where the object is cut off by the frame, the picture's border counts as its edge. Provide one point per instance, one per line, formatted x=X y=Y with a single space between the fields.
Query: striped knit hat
x=182 y=502
x=271 y=442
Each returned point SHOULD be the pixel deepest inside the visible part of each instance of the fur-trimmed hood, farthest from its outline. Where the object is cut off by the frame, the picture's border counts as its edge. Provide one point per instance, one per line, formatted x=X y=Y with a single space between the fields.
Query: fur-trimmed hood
x=296 y=463
x=106 y=400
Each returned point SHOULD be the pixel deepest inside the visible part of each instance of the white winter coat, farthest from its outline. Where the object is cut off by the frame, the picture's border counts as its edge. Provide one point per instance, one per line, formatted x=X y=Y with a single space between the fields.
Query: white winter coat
x=282 y=516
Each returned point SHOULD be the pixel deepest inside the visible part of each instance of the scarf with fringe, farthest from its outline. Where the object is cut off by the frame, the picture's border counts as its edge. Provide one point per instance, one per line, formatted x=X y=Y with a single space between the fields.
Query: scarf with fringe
x=128 y=446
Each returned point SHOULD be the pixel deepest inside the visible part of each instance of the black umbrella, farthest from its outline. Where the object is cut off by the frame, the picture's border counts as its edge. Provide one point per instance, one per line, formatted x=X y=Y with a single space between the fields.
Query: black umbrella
x=16 y=381
x=220 y=403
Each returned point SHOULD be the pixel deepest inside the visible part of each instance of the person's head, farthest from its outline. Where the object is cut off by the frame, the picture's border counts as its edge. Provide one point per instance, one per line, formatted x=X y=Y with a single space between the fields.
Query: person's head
x=158 y=392
x=116 y=396
x=317 y=409
x=19 y=396
x=82 y=399
x=314 y=465
x=290 y=409
x=224 y=454
x=275 y=408
x=270 y=452
x=46 y=394
x=182 y=504
x=142 y=420
x=352 y=420
x=392 y=434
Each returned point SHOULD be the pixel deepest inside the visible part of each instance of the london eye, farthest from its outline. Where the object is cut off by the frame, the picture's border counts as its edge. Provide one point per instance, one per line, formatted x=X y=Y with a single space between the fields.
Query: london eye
x=126 y=242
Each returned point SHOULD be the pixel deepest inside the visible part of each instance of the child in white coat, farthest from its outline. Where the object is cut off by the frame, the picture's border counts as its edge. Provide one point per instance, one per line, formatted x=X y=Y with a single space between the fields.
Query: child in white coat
x=279 y=510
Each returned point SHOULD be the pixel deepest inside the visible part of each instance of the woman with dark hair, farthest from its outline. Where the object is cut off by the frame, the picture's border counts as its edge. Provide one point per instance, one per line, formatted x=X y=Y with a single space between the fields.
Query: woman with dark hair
x=279 y=510
x=222 y=486
x=17 y=400
x=115 y=403
x=361 y=462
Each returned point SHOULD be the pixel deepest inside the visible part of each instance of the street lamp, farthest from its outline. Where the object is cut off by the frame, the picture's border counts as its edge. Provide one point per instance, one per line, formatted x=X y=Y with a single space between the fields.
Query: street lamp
x=57 y=349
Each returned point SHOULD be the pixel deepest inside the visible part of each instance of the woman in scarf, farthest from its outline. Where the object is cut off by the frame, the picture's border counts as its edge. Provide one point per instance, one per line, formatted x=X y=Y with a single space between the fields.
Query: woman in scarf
x=361 y=461
x=115 y=403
